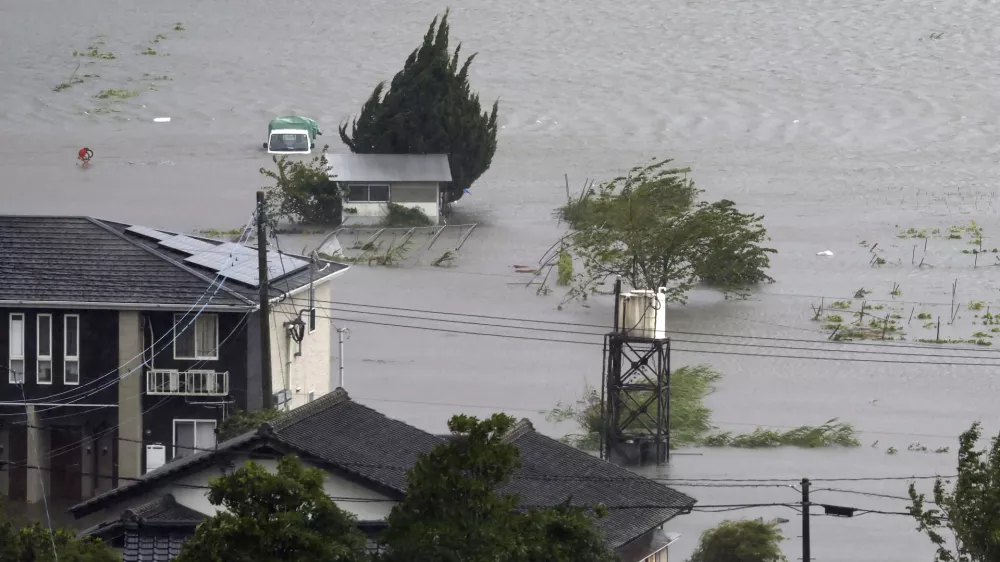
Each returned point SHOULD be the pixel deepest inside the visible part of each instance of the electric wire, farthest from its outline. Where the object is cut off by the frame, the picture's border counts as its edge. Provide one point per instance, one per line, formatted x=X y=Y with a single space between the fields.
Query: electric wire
x=673 y=340
x=674 y=348
x=893 y=344
x=78 y=388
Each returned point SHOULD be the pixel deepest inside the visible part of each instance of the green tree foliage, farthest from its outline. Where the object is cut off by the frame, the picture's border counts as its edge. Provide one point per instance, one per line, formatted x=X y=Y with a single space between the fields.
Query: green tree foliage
x=691 y=420
x=453 y=511
x=429 y=109
x=303 y=192
x=283 y=517
x=740 y=541
x=242 y=421
x=33 y=543
x=648 y=227
x=970 y=511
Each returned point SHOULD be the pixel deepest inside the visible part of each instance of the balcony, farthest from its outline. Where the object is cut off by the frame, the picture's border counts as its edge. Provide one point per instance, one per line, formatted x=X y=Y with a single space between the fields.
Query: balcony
x=172 y=382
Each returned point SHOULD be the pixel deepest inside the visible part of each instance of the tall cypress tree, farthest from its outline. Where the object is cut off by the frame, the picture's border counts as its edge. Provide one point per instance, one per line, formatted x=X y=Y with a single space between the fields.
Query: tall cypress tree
x=429 y=109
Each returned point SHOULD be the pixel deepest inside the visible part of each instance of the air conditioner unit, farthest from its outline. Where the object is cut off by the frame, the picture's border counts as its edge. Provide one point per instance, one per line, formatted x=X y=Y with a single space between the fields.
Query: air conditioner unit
x=156 y=456
x=643 y=314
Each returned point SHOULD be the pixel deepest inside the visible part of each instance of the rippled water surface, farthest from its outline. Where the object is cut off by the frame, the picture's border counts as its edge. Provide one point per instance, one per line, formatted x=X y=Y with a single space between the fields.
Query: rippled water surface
x=841 y=121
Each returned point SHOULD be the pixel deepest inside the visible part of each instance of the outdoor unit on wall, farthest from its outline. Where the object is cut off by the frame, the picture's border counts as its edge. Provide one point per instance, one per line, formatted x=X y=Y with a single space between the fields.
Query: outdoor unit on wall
x=643 y=314
x=156 y=456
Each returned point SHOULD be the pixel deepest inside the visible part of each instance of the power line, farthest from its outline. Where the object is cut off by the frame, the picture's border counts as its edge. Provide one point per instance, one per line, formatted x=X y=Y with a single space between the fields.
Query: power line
x=755 y=346
x=76 y=390
x=894 y=344
x=674 y=348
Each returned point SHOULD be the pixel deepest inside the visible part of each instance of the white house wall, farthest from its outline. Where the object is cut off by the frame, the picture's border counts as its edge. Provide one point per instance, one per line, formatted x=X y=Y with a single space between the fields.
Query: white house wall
x=311 y=370
x=413 y=195
x=187 y=491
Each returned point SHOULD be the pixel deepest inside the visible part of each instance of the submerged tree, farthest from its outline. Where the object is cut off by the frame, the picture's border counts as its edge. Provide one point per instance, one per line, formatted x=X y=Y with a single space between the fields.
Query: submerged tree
x=274 y=518
x=429 y=108
x=740 y=541
x=454 y=511
x=649 y=228
x=970 y=511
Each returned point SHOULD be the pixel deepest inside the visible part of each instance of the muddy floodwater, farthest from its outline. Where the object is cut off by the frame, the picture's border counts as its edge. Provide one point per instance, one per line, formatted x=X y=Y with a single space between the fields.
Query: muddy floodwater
x=843 y=122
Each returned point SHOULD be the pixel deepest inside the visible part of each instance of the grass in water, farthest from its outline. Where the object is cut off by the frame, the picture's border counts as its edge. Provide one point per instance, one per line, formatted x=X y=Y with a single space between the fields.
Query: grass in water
x=116 y=94
x=691 y=420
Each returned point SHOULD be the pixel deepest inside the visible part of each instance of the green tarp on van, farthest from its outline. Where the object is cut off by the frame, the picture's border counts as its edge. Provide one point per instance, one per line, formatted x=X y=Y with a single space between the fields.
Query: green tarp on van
x=295 y=122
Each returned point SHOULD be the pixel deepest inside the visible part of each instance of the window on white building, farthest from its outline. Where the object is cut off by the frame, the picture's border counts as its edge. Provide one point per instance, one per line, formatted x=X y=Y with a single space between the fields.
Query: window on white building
x=192 y=436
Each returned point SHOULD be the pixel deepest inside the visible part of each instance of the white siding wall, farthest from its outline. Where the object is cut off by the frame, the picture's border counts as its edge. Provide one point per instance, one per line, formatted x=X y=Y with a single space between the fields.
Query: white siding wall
x=401 y=194
x=196 y=499
x=311 y=370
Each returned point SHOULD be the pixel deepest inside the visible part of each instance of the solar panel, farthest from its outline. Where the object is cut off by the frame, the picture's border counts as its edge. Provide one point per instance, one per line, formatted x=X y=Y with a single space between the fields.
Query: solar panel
x=147 y=232
x=236 y=249
x=223 y=257
x=186 y=244
x=216 y=261
x=246 y=270
x=243 y=272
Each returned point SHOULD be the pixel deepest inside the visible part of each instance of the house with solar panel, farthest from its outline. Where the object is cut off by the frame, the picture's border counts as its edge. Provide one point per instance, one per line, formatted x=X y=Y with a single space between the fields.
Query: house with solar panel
x=123 y=347
x=371 y=182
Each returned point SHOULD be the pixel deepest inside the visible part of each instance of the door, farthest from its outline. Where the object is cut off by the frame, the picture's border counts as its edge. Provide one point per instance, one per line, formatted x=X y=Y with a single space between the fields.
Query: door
x=18 y=455
x=66 y=472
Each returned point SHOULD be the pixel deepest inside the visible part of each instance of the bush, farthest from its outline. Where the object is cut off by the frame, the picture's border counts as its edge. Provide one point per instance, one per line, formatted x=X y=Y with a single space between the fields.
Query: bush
x=401 y=217
x=303 y=192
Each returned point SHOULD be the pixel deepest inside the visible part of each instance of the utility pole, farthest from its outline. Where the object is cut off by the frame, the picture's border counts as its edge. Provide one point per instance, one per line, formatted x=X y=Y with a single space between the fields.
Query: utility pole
x=805 y=520
x=341 y=332
x=265 y=312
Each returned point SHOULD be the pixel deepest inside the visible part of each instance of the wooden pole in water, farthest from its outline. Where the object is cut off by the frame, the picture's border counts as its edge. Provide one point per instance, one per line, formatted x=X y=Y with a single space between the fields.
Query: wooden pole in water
x=938 y=336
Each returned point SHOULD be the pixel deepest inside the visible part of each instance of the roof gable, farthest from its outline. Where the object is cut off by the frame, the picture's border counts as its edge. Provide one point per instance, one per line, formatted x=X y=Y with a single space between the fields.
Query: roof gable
x=389 y=167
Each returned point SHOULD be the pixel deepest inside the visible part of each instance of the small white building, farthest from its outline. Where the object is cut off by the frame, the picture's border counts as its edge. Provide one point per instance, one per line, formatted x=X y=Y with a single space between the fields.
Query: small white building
x=372 y=181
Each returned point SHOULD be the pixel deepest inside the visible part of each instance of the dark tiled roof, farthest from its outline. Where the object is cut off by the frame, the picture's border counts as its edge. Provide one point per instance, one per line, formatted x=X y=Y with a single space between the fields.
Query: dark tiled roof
x=146 y=546
x=85 y=260
x=359 y=441
x=163 y=511
x=552 y=472
x=355 y=438
x=176 y=467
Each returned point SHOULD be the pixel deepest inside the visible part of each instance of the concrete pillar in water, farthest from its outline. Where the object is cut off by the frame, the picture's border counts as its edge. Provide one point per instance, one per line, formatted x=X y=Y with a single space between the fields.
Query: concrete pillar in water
x=129 y=396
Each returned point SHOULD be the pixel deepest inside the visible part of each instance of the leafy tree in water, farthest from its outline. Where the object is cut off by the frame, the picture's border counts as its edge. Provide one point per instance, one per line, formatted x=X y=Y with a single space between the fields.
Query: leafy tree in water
x=303 y=192
x=242 y=421
x=649 y=228
x=453 y=511
x=274 y=518
x=740 y=541
x=971 y=511
x=35 y=543
x=429 y=109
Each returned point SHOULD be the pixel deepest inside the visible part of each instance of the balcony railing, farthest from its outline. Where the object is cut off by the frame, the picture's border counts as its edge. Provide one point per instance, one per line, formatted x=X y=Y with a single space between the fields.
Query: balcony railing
x=187 y=383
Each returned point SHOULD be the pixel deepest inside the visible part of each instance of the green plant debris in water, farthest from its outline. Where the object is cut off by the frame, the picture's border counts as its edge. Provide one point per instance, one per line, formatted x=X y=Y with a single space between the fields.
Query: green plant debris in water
x=445 y=260
x=691 y=420
x=976 y=305
x=844 y=305
x=924 y=316
x=149 y=52
x=834 y=318
x=95 y=53
x=982 y=342
x=565 y=268
x=116 y=94
x=178 y=26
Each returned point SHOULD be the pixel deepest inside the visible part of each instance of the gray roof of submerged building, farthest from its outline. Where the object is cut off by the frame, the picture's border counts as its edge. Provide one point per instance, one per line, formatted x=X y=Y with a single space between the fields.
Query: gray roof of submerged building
x=389 y=167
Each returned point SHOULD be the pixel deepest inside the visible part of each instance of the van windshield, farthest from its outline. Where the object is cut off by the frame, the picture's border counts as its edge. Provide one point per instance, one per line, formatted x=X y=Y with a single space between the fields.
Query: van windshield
x=289 y=143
